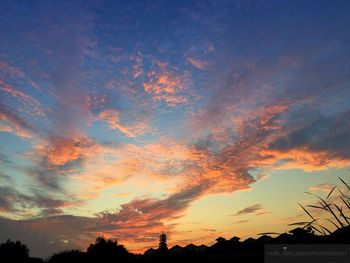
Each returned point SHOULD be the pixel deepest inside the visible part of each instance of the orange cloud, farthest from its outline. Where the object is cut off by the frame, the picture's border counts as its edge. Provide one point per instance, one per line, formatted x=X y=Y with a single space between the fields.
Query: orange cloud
x=149 y=216
x=302 y=158
x=165 y=85
x=60 y=151
x=105 y=166
x=9 y=128
x=121 y=194
x=58 y=158
x=172 y=165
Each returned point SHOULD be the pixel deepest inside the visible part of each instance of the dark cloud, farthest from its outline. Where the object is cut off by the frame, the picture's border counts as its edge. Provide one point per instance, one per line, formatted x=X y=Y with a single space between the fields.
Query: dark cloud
x=153 y=212
x=5 y=177
x=241 y=221
x=11 y=200
x=4 y=159
x=329 y=134
x=249 y=210
x=48 y=234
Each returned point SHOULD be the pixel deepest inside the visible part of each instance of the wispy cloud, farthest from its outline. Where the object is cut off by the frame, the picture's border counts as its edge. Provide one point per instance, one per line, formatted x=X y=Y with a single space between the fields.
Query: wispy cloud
x=13 y=123
x=325 y=187
x=29 y=104
x=242 y=222
x=31 y=205
x=249 y=210
x=112 y=118
x=197 y=63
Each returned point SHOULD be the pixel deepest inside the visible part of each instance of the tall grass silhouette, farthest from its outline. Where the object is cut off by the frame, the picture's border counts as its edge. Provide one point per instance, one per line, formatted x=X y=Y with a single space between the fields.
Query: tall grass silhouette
x=336 y=212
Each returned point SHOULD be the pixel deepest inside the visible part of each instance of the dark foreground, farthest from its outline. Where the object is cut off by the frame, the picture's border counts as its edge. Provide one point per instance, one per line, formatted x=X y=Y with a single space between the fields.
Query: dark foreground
x=232 y=250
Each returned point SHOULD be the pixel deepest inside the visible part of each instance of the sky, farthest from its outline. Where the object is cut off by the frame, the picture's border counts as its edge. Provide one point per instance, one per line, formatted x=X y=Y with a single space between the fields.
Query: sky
x=197 y=118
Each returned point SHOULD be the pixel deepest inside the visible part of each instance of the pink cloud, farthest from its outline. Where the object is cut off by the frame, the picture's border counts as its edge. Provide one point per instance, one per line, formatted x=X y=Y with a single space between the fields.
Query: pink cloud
x=112 y=118
x=325 y=187
x=168 y=86
x=31 y=105
x=18 y=74
x=197 y=63
x=12 y=123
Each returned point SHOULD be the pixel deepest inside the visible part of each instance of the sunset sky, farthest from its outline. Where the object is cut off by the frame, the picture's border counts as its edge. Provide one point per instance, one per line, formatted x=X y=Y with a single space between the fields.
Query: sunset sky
x=197 y=118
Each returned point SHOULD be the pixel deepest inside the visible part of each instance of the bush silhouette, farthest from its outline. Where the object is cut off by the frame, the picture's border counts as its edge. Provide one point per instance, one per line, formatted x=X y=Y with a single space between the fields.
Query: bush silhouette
x=107 y=251
x=11 y=251
x=68 y=256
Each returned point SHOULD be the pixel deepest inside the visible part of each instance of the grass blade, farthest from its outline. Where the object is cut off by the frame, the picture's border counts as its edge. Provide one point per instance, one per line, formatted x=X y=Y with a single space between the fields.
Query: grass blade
x=329 y=232
x=307 y=212
x=343 y=194
x=342 y=214
x=333 y=223
x=329 y=208
x=314 y=228
x=345 y=183
x=348 y=205
x=314 y=220
x=331 y=192
x=315 y=206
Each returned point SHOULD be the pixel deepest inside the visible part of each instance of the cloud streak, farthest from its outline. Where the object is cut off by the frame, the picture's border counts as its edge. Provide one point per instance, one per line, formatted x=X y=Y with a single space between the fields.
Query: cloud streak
x=112 y=118
x=249 y=210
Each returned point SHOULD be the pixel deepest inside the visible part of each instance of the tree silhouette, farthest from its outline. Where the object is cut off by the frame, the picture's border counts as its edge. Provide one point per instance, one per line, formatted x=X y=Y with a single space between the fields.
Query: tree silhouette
x=232 y=250
x=107 y=251
x=11 y=251
x=68 y=256
x=163 y=247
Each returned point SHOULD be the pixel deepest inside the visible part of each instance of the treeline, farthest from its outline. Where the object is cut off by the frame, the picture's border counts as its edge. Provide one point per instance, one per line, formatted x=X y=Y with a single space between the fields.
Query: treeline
x=231 y=250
